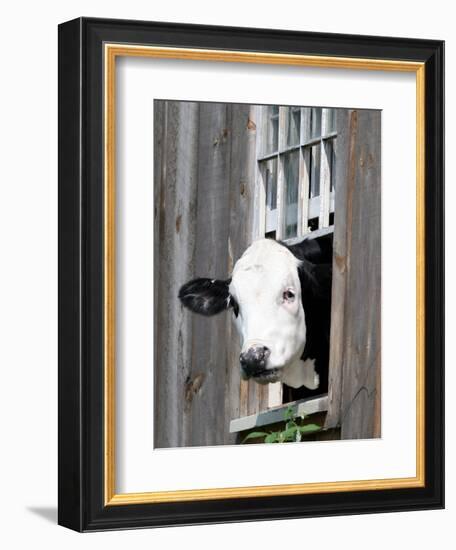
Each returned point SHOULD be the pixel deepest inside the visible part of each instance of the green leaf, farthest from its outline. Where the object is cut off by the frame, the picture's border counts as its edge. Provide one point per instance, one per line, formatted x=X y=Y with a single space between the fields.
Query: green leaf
x=254 y=435
x=272 y=437
x=309 y=428
x=289 y=434
x=289 y=413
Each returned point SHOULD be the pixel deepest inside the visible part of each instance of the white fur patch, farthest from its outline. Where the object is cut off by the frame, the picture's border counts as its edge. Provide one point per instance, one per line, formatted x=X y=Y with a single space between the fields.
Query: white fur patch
x=301 y=373
x=266 y=254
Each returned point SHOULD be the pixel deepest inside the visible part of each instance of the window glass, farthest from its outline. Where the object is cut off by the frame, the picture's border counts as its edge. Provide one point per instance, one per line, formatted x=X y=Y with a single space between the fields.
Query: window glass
x=293 y=125
x=330 y=121
x=306 y=124
x=269 y=168
x=271 y=141
x=316 y=122
x=269 y=175
x=315 y=156
x=291 y=175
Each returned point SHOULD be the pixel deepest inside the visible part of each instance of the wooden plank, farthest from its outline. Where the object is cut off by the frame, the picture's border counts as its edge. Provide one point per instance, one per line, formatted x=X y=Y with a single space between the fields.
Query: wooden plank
x=160 y=129
x=175 y=179
x=339 y=270
x=275 y=394
x=241 y=209
x=243 y=399
x=203 y=421
x=276 y=414
x=312 y=235
x=361 y=379
x=257 y=112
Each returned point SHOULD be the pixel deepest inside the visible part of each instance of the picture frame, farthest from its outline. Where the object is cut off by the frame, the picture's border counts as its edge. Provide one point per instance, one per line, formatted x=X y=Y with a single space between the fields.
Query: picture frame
x=88 y=50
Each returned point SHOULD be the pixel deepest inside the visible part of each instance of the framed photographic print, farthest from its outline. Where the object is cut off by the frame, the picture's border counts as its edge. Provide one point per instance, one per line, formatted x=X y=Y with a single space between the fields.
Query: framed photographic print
x=250 y=274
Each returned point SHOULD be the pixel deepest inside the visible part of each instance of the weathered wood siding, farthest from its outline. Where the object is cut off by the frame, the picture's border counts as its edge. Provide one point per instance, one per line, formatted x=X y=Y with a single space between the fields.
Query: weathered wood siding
x=204 y=184
x=354 y=395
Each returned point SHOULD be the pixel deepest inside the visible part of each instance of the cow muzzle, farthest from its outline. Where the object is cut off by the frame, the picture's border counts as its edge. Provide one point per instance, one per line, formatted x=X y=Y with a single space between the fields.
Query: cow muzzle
x=253 y=361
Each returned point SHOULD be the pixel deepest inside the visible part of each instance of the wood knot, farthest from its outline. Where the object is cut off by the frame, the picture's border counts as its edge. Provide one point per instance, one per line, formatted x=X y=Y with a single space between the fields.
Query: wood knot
x=221 y=138
x=192 y=386
x=250 y=124
x=367 y=162
x=178 y=223
x=340 y=262
x=370 y=161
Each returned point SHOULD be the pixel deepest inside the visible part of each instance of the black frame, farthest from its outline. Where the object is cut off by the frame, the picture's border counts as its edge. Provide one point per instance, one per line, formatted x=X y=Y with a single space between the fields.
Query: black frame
x=81 y=473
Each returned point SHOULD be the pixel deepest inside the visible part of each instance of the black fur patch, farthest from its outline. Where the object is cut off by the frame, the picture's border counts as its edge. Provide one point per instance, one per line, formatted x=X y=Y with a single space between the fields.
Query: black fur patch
x=315 y=275
x=206 y=296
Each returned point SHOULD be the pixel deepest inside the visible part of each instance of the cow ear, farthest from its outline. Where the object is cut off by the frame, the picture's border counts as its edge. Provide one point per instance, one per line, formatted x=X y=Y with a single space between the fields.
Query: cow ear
x=206 y=296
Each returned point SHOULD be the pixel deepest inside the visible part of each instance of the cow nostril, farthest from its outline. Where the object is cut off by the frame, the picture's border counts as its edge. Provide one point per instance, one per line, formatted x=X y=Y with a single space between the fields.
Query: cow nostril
x=261 y=353
x=253 y=360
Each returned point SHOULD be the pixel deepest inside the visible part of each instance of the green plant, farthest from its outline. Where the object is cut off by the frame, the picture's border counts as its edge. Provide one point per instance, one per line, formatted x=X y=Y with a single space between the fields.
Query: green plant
x=294 y=430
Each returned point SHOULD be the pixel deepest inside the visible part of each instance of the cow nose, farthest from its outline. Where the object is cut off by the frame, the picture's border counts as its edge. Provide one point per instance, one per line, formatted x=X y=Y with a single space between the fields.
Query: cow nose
x=253 y=361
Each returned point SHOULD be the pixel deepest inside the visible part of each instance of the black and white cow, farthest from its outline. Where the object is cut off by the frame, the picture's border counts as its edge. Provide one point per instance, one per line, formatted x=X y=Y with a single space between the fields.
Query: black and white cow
x=280 y=296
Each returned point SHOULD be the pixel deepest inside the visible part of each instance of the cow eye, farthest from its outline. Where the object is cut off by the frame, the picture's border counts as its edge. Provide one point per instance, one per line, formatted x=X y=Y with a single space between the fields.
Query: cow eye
x=288 y=295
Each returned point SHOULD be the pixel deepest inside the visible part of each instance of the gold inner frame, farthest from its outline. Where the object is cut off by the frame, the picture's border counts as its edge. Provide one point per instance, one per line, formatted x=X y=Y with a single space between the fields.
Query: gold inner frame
x=111 y=52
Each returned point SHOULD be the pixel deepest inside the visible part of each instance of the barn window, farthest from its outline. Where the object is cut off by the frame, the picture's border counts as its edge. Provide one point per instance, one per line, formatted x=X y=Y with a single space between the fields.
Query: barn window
x=296 y=156
x=296 y=166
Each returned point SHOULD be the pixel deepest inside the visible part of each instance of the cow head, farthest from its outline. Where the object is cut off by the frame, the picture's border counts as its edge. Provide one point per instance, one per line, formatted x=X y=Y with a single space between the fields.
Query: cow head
x=267 y=294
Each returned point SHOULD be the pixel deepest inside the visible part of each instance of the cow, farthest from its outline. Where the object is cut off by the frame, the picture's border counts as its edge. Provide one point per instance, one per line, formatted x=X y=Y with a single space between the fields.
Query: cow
x=280 y=298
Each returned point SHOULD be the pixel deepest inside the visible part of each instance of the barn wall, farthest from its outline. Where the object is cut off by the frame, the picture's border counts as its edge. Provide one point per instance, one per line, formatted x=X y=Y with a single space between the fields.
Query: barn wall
x=204 y=188
x=354 y=396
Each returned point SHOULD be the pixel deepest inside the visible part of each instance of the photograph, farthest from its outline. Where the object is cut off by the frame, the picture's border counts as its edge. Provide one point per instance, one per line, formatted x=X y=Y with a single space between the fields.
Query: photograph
x=254 y=205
